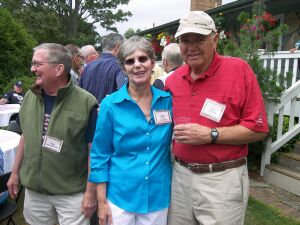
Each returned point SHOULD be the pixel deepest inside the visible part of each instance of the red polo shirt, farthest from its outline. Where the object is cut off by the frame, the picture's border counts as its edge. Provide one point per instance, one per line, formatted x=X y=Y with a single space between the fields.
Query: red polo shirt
x=229 y=81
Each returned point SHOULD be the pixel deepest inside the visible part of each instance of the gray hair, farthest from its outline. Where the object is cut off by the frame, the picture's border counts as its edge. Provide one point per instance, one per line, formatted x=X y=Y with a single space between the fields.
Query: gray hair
x=57 y=53
x=172 y=53
x=110 y=41
x=135 y=43
x=87 y=50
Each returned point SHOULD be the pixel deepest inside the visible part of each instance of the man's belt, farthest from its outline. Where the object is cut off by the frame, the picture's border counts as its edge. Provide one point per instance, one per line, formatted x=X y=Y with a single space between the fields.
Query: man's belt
x=213 y=167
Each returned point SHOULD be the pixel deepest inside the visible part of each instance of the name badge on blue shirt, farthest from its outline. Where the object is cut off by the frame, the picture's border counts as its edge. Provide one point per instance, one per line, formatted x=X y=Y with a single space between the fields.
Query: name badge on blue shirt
x=162 y=117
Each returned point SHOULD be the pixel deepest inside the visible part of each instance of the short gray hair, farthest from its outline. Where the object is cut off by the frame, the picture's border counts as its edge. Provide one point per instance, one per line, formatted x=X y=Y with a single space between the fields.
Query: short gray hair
x=87 y=50
x=110 y=41
x=135 y=43
x=57 y=53
x=172 y=53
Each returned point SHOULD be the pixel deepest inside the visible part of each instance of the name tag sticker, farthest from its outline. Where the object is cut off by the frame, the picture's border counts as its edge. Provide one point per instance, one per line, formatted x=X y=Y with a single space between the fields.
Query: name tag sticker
x=212 y=110
x=52 y=144
x=162 y=117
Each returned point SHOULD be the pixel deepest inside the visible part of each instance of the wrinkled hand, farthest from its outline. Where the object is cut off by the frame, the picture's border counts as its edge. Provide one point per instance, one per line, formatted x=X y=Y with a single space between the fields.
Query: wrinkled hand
x=13 y=185
x=192 y=133
x=104 y=214
x=89 y=203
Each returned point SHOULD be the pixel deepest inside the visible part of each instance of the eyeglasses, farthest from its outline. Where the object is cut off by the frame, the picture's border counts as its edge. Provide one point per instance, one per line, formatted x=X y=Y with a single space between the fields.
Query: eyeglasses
x=141 y=59
x=39 y=63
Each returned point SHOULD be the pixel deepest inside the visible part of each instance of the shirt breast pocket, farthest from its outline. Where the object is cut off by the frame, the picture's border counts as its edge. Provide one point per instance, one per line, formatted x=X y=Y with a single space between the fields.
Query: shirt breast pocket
x=233 y=110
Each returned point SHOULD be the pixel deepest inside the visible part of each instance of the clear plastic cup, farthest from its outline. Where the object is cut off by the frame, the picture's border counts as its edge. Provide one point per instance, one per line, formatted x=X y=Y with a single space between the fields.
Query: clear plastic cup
x=181 y=120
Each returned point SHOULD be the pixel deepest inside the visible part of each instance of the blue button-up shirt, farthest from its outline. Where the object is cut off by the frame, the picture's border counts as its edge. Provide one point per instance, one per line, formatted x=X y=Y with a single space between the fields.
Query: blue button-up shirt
x=102 y=76
x=132 y=154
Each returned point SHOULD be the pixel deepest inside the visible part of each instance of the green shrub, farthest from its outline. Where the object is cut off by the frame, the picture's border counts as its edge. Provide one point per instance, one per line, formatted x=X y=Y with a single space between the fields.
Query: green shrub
x=15 y=50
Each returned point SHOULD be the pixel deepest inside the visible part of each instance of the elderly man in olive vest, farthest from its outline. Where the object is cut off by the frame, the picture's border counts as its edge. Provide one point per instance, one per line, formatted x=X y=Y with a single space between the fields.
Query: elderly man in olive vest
x=57 y=119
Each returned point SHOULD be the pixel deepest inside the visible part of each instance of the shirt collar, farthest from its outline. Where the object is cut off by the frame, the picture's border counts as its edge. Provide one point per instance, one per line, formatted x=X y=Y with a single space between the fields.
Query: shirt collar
x=123 y=94
x=107 y=55
x=37 y=90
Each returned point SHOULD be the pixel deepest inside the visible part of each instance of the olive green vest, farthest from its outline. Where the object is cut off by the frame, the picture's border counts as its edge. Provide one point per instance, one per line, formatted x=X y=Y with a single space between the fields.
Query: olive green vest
x=46 y=171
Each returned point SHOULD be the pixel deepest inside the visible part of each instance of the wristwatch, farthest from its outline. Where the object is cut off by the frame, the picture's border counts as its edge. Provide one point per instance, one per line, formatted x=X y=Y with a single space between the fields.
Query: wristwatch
x=214 y=134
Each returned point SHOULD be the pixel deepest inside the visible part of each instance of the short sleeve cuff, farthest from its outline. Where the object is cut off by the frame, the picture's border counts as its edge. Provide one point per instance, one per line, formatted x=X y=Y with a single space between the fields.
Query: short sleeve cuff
x=255 y=127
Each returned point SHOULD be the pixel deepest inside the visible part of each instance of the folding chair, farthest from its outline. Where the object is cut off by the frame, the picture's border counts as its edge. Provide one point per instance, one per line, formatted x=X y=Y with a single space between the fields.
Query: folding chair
x=9 y=207
x=14 y=127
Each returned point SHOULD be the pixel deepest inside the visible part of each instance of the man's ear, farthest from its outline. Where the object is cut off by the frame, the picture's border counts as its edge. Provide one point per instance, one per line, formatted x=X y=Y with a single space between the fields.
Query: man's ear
x=116 y=48
x=165 y=65
x=60 y=69
x=117 y=45
x=165 y=62
x=215 y=40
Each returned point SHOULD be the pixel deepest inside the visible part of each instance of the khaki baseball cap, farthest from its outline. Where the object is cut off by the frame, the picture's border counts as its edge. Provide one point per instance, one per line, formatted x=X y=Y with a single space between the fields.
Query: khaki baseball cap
x=196 y=22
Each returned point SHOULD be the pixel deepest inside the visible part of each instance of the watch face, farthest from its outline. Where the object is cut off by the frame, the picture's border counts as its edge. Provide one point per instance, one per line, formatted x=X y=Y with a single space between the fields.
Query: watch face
x=214 y=134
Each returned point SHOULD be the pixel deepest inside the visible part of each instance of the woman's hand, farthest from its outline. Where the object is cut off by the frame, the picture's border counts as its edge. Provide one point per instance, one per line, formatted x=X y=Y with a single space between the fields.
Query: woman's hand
x=104 y=214
x=104 y=211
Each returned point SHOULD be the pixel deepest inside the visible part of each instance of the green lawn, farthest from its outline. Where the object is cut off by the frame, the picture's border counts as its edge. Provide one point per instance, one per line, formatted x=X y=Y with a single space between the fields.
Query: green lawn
x=259 y=213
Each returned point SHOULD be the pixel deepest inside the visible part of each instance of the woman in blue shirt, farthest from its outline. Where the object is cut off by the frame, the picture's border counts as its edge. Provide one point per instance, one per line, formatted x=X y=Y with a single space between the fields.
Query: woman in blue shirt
x=130 y=156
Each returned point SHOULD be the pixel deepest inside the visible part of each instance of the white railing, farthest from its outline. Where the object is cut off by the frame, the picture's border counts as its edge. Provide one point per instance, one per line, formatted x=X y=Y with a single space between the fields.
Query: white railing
x=282 y=62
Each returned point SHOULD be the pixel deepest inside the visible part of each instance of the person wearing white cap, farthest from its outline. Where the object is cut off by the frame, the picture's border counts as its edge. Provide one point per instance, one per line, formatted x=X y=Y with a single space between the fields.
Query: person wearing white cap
x=220 y=101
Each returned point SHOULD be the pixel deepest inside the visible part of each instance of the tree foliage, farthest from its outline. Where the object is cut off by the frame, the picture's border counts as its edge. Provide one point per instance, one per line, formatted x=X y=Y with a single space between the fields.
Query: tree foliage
x=260 y=30
x=67 y=21
x=130 y=32
x=15 y=49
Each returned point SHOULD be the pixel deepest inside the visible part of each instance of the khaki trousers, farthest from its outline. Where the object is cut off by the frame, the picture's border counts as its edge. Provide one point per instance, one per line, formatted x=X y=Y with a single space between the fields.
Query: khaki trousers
x=218 y=198
x=41 y=209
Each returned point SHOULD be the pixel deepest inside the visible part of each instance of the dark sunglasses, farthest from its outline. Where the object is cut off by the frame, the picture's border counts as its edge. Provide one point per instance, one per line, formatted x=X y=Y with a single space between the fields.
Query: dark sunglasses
x=141 y=59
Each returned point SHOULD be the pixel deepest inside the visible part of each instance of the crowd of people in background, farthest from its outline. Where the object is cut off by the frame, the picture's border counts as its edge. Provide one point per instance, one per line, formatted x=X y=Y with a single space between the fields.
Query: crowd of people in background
x=98 y=130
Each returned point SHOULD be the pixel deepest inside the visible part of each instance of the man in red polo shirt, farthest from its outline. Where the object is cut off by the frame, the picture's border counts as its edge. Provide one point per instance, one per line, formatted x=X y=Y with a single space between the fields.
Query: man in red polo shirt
x=220 y=101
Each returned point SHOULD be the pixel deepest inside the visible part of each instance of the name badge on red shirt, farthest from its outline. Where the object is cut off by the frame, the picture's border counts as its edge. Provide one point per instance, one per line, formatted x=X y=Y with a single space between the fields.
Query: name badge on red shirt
x=212 y=110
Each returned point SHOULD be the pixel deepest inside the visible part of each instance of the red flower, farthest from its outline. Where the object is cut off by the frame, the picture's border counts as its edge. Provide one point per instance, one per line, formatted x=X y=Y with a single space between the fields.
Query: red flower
x=269 y=18
x=156 y=46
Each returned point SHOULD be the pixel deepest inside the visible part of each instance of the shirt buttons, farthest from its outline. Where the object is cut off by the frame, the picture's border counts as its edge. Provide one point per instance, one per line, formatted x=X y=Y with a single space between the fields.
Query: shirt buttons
x=148 y=148
x=147 y=163
x=147 y=133
x=146 y=178
x=194 y=94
